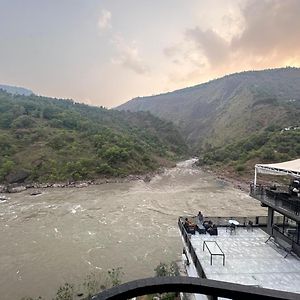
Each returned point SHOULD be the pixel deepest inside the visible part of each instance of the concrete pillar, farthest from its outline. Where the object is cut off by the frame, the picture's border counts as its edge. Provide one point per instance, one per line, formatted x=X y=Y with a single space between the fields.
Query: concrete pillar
x=270 y=220
x=255 y=178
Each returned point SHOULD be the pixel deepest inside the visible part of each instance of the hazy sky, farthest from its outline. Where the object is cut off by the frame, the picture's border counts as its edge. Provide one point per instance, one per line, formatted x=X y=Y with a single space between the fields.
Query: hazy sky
x=105 y=52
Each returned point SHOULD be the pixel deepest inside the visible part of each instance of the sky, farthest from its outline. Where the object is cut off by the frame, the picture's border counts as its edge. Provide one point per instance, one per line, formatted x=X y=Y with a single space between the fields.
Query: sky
x=106 y=52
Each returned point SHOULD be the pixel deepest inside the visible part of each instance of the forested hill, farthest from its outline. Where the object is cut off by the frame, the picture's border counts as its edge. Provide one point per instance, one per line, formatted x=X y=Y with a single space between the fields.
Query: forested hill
x=44 y=139
x=230 y=108
x=15 y=90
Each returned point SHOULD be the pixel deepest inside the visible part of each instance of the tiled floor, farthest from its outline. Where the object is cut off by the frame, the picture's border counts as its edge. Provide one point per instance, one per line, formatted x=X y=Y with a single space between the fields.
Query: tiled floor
x=249 y=260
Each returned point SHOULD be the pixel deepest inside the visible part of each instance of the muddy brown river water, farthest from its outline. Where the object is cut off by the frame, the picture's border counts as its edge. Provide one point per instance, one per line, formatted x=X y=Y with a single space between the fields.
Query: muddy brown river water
x=64 y=234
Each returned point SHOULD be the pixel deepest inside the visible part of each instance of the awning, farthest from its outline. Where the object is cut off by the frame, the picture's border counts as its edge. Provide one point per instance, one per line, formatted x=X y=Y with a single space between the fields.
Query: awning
x=291 y=167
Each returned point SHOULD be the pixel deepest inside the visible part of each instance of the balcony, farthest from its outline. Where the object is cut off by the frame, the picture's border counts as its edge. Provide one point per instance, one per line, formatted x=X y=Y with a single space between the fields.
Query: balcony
x=280 y=200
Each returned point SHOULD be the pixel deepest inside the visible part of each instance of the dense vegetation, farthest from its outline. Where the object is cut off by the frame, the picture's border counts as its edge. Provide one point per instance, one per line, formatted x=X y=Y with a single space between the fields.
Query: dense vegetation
x=232 y=121
x=44 y=139
x=272 y=145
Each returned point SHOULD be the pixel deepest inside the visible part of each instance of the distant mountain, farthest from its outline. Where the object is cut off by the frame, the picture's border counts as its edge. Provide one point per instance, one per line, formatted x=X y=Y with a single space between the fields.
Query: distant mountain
x=49 y=140
x=225 y=110
x=16 y=90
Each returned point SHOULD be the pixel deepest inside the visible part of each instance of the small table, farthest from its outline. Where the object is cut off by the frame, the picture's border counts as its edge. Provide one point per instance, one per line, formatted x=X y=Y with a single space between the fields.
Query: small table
x=232 y=225
x=213 y=249
x=234 y=222
x=201 y=228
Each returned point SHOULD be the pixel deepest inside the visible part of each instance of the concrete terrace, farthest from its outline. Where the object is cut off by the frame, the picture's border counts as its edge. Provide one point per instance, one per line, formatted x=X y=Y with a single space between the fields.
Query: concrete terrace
x=249 y=260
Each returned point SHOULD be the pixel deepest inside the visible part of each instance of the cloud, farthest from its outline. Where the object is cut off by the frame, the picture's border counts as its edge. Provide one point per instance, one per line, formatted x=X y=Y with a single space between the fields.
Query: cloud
x=128 y=56
x=214 y=47
x=104 y=21
x=270 y=28
x=184 y=53
x=172 y=50
x=261 y=34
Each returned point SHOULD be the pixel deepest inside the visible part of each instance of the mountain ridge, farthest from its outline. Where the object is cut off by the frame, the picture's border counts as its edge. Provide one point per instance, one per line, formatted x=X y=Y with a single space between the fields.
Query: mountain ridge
x=242 y=102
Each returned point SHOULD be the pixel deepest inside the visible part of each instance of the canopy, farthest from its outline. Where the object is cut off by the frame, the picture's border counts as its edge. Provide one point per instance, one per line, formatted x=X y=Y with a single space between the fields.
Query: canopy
x=291 y=167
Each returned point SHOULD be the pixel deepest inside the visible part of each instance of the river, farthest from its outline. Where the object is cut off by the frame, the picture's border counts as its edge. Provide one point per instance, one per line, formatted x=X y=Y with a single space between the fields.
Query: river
x=65 y=233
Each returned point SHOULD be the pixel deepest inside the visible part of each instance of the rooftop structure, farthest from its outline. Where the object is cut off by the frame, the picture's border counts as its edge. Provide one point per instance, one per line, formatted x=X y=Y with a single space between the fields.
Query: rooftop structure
x=283 y=200
x=244 y=266
x=249 y=259
x=241 y=256
x=260 y=251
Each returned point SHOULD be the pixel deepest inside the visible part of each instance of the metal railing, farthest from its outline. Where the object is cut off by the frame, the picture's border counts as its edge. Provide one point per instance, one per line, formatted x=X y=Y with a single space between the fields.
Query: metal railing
x=257 y=221
x=190 y=247
x=212 y=288
x=279 y=198
x=279 y=231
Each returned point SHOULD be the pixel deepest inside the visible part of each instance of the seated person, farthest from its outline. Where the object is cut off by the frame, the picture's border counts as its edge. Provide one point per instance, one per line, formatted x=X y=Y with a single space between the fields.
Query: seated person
x=213 y=230
x=189 y=226
x=207 y=224
x=186 y=223
x=232 y=227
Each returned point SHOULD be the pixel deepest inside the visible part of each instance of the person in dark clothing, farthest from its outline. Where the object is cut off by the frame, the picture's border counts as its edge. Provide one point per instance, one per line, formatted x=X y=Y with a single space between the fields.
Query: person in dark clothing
x=213 y=230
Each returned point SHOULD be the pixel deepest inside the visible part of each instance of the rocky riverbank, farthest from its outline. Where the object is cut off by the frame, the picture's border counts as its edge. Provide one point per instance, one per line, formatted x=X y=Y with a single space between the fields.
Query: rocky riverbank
x=20 y=187
x=224 y=174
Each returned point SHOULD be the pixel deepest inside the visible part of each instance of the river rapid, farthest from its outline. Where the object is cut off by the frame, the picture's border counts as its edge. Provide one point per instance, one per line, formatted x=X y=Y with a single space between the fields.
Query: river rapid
x=65 y=233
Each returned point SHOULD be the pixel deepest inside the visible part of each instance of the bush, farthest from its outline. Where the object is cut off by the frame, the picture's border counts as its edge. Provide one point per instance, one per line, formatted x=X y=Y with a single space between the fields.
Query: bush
x=267 y=154
x=164 y=269
x=240 y=168
x=23 y=122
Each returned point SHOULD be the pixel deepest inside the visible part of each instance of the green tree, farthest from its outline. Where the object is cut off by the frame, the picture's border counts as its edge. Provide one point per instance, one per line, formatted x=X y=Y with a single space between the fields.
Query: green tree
x=6 y=166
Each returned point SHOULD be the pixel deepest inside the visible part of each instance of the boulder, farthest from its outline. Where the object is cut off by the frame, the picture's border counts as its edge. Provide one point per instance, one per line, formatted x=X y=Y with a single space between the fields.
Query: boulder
x=147 y=178
x=3 y=188
x=81 y=185
x=18 y=176
x=17 y=189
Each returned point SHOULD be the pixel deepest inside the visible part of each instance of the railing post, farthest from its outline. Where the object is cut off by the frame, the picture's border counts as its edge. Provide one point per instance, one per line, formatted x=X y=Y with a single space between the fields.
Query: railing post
x=270 y=219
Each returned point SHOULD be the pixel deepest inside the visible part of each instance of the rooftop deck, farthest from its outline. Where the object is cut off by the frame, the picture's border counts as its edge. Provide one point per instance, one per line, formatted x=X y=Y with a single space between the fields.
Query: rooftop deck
x=248 y=260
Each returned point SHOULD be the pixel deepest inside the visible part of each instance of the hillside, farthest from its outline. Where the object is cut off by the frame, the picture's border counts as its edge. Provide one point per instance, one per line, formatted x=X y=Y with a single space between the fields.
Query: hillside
x=237 y=159
x=44 y=139
x=15 y=90
x=225 y=110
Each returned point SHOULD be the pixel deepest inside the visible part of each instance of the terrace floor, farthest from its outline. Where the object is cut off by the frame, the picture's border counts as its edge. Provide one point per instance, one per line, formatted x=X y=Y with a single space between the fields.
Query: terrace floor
x=249 y=260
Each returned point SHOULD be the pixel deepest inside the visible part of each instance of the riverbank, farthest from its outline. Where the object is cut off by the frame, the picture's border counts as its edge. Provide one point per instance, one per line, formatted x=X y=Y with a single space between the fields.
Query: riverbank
x=239 y=181
x=17 y=188
x=224 y=174
x=242 y=180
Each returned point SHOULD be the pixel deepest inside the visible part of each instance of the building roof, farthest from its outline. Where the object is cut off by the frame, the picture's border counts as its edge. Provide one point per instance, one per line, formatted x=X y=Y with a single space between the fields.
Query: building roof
x=291 y=167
